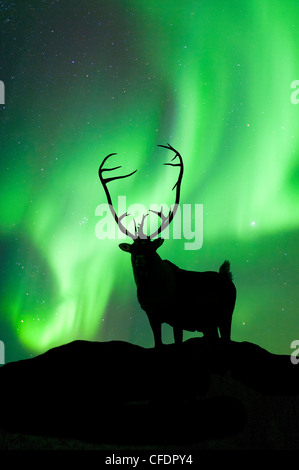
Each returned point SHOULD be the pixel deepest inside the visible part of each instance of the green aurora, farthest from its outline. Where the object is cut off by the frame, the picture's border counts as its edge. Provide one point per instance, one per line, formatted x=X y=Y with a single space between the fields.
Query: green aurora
x=211 y=78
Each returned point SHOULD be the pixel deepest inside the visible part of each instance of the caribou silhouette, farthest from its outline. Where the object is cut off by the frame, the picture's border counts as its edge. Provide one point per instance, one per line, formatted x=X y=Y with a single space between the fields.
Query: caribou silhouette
x=186 y=300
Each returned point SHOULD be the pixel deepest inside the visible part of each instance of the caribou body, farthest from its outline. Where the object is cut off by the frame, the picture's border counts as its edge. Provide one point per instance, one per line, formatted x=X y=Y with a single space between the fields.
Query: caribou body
x=186 y=300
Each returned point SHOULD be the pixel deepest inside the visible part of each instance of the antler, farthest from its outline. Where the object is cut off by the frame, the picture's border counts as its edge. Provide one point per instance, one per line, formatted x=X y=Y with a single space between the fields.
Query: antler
x=166 y=220
x=139 y=230
x=104 y=182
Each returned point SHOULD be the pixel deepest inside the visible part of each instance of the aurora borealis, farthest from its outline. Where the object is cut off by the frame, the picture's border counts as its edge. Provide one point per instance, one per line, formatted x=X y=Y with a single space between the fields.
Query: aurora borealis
x=87 y=78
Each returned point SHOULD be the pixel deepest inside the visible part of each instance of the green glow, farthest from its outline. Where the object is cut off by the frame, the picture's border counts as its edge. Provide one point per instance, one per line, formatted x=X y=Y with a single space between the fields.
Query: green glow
x=211 y=78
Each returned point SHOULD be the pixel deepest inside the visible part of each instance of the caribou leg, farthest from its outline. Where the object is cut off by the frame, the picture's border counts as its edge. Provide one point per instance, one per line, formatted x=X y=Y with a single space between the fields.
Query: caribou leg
x=211 y=333
x=178 y=334
x=157 y=331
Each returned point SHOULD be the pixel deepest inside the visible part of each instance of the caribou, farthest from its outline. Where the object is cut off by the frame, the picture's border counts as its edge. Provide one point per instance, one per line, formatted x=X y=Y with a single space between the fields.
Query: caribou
x=185 y=300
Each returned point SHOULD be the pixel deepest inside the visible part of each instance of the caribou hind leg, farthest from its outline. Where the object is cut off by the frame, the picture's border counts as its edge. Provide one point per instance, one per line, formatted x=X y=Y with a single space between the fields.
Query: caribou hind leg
x=225 y=328
x=210 y=333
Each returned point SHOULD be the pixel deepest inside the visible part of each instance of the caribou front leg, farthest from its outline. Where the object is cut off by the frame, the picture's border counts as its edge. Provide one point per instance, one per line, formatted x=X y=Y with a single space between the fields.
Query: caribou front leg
x=178 y=335
x=156 y=327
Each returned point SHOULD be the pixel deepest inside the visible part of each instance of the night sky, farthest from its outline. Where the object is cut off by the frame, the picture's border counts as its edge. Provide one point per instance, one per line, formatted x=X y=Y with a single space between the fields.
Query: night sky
x=87 y=78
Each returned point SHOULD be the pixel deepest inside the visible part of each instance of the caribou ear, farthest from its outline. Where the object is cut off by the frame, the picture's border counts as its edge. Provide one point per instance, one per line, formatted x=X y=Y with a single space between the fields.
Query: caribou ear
x=158 y=242
x=125 y=247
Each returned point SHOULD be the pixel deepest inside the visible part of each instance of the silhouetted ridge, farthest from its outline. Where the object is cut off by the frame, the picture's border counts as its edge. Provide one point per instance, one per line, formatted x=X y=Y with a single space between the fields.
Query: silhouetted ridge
x=118 y=392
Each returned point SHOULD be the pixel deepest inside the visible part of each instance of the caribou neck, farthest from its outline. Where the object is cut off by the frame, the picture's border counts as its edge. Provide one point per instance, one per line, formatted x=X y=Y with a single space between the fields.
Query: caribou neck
x=146 y=271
